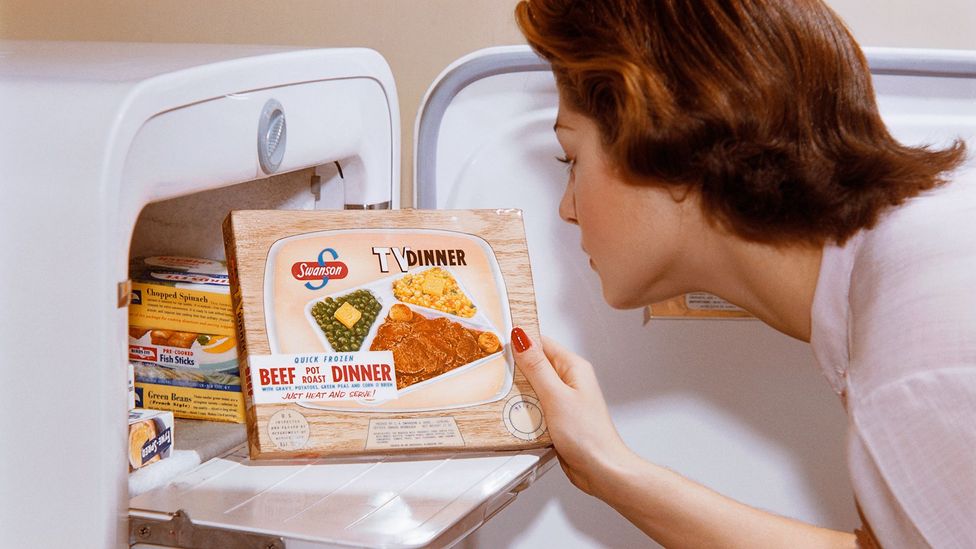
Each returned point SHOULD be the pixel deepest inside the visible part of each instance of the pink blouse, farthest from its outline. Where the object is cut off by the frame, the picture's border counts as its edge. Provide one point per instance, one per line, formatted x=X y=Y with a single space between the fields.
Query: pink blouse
x=894 y=331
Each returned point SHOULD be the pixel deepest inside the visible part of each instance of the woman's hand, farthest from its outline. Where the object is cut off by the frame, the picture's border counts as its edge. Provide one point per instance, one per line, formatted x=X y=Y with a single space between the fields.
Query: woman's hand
x=667 y=507
x=579 y=423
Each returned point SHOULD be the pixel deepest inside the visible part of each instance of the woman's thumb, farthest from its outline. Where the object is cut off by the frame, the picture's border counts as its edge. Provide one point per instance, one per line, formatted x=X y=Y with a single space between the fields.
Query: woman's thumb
x=532 y=361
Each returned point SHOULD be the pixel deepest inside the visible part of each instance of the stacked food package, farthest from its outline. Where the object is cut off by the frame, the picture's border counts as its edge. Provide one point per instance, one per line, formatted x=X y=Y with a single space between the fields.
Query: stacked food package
x=181 y=339
x=150 y=437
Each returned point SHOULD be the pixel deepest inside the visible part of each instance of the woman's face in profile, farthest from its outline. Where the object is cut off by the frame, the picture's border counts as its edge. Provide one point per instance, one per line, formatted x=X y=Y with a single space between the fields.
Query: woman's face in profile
x=635 y=233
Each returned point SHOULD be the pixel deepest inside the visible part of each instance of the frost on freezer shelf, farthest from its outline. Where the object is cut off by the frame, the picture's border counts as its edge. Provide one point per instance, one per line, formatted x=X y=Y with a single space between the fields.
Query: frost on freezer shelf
x=182 y=342
x=372 y=332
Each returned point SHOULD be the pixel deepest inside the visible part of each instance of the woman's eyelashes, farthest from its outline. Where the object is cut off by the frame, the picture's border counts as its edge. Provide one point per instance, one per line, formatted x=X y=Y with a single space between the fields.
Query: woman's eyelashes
x=570 y=162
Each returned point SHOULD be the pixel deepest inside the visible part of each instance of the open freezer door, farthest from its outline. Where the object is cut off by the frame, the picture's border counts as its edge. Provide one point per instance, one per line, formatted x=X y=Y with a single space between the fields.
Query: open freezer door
x=681 y=392
x=232 y=501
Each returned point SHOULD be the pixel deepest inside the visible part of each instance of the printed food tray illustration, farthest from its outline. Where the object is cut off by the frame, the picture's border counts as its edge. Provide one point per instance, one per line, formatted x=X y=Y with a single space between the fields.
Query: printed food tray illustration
x=427 y=316
x=444 y=339
x=370 y=302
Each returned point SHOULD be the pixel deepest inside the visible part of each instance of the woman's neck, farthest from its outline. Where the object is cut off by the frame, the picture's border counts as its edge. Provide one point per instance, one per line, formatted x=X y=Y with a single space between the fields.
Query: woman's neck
x=776 y=284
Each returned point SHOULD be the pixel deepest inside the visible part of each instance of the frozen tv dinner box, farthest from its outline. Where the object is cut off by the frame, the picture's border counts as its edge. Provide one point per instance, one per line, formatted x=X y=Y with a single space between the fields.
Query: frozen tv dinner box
x=379 y=332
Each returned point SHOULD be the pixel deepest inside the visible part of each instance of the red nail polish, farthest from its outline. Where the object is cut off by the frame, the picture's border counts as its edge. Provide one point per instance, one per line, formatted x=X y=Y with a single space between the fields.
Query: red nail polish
x=520 y=340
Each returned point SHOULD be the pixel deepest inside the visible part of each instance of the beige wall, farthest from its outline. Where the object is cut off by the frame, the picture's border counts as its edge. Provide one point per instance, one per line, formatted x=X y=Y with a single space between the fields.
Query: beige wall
x=911 y=23
x=418 y=37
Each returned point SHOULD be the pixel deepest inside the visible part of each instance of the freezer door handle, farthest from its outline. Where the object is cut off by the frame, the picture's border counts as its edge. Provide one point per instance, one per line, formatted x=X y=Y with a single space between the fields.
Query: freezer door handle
x=177 y=530
x=498 y=503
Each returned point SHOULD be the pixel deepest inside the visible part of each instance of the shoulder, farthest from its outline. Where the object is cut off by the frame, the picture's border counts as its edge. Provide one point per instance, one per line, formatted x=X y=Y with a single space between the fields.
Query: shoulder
x=911 y=378
x=912 y=296
x=940 y=219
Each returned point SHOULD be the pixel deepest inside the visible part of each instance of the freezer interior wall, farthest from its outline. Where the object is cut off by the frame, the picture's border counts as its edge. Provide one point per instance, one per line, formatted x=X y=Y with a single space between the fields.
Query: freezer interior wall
x=191 y=225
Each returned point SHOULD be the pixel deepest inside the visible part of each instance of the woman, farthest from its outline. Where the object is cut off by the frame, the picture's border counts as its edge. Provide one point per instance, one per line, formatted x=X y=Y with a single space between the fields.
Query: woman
x=735 y=147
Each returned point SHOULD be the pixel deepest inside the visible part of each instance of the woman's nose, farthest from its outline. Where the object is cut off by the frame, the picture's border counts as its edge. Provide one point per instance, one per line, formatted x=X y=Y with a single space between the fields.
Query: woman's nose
x=567 y=206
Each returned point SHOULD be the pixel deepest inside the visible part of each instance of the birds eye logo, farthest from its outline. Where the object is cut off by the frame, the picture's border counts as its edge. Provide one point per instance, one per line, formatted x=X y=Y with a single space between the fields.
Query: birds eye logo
x=317 y=274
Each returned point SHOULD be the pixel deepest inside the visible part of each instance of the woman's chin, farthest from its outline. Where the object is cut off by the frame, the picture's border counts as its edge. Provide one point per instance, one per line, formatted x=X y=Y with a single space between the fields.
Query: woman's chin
x=621 y=300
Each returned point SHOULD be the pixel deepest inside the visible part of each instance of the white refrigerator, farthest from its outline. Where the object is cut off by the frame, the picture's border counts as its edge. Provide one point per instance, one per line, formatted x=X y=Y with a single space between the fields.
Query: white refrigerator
x=115 y=150
x=729 y=403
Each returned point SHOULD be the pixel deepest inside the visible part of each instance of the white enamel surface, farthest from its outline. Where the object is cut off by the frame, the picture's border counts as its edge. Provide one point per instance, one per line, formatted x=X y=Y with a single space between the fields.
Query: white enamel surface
x=367 y=504
x=92 y=133
x=732 y=404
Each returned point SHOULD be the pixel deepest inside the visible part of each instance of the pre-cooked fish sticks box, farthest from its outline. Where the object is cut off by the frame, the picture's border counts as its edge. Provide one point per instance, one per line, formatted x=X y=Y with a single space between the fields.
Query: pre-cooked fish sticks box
x=379 y=332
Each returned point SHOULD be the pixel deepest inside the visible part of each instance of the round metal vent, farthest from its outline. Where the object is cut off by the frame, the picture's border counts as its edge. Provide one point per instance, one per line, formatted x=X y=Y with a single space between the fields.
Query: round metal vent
x=272 y=136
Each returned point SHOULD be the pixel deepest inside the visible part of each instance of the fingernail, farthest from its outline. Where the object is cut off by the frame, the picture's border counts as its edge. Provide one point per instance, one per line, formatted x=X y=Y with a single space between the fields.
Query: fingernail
x=520 y=340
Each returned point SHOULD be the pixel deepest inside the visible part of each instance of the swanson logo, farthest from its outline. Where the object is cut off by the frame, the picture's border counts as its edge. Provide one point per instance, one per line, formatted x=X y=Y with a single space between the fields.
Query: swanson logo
x=321 y=270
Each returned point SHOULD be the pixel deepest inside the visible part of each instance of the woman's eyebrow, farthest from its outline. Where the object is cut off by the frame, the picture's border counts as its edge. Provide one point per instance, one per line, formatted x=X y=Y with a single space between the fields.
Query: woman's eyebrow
x=559 y=125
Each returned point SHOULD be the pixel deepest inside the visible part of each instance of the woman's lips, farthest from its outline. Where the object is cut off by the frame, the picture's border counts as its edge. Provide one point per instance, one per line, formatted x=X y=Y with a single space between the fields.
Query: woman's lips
x=592 y=265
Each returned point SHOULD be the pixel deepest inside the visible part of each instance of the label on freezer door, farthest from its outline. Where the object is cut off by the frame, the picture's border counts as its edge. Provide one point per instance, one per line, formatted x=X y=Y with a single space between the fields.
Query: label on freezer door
x=701 y=301
x=695 y=305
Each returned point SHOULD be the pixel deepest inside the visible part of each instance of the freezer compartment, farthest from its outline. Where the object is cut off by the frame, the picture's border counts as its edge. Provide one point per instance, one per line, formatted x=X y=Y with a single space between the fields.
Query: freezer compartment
x=101 y=131
x=322 y=138
x=189 y=226
x=384 y=503
x=313 y=144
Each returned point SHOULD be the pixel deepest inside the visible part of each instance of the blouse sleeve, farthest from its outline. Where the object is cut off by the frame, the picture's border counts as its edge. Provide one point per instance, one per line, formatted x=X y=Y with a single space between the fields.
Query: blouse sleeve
x=911 y=387
x=919 y=436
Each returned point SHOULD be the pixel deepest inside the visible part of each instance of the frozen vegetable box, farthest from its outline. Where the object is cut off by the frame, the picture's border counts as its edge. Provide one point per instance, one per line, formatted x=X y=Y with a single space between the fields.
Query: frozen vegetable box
x=181 y=338
x=382 y=332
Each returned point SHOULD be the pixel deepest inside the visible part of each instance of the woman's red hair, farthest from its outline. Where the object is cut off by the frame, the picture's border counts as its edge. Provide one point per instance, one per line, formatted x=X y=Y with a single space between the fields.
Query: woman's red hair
x=765 y=107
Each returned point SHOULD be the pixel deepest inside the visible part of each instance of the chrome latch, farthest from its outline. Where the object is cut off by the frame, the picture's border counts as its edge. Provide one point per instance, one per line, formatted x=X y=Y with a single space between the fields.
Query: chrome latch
x=272 y=136
x=177 y=530
x=377 y=206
